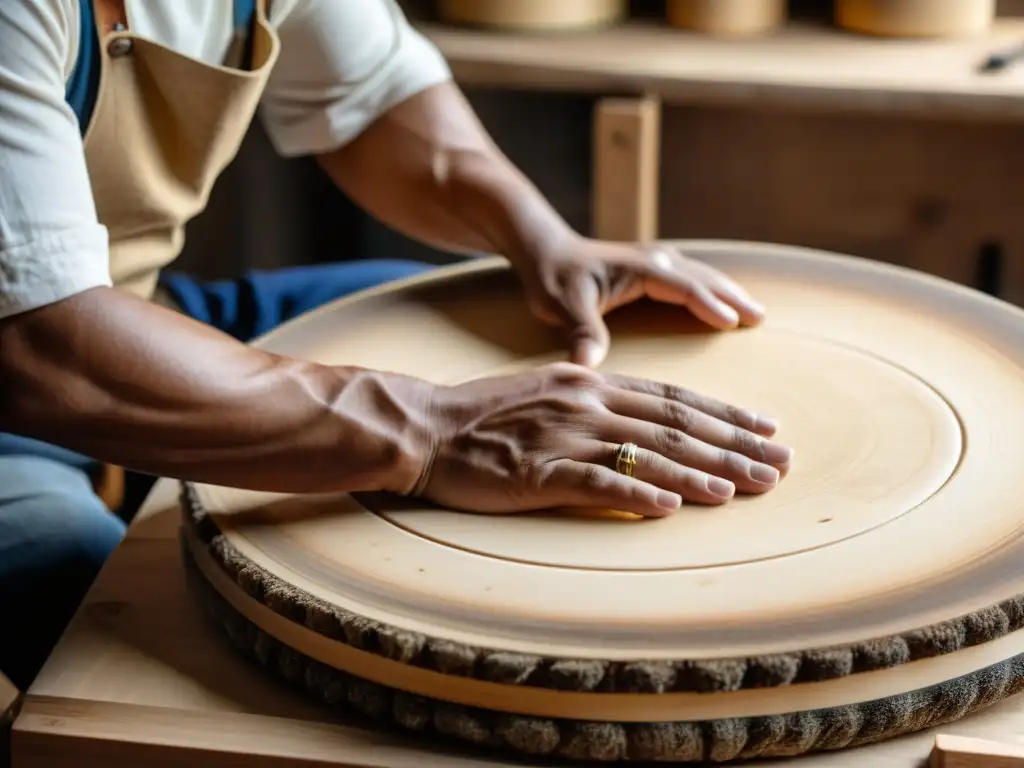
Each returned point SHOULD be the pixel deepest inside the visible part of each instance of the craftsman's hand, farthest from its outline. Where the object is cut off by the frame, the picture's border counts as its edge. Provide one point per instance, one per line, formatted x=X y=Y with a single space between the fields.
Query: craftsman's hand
x=548 y=438
x=574 y=284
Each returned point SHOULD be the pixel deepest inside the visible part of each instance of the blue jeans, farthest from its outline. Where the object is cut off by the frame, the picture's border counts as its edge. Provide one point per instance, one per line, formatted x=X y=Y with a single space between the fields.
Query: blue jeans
x=55 y=533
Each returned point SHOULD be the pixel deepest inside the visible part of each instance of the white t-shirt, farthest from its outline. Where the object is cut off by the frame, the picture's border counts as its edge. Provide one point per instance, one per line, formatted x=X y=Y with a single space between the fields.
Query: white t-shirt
x=342 y=64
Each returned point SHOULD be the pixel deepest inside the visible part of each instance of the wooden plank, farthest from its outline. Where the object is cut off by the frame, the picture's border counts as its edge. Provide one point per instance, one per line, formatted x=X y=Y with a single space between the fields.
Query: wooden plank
x=803 y=65
x=106 y=735
x=626 y=159
x=963 y=752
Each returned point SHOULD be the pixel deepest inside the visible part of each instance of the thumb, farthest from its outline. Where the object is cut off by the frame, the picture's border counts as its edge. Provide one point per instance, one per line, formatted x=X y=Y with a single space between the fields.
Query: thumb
x=588 y=335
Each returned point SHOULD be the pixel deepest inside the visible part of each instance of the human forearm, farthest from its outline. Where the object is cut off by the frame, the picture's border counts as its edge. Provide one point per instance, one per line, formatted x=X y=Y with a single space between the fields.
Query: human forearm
x=124 y=381
x=428 y=169
x=127 y=382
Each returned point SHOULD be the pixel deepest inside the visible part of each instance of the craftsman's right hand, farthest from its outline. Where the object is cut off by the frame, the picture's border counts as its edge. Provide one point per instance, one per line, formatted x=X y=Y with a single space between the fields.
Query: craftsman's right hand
x=548 y=438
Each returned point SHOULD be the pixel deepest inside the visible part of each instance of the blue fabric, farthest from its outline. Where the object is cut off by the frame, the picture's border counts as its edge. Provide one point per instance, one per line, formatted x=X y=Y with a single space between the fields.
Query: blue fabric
x=260 y=301
x=83 y=86
x=84 y=83
x=244 y=12
x=55 y=534
x=16 y=445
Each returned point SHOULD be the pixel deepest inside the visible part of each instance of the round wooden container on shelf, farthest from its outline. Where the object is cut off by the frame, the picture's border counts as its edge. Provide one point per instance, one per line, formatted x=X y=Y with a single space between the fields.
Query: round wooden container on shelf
x=536 y=15
x=727 y=18
x=916 y=18
x=876 y=591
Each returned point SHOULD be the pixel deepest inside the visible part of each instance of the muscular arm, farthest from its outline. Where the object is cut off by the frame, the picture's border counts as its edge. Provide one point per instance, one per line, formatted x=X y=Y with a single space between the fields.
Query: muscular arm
x=428 y=169
x=98 y=371
x=124 y=381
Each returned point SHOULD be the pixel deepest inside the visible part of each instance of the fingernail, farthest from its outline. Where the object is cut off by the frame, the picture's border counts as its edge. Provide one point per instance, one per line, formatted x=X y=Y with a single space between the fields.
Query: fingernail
x=755 y=307
x=775 y=453
x=729 y=314
x=762 y=473
x=668 y=500
x=591 y=354
x=720 y=487
x=764 y=424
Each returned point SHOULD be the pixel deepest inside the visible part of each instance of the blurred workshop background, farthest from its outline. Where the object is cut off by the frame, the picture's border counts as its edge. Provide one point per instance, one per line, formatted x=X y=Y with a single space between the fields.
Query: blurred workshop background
x=740 y=119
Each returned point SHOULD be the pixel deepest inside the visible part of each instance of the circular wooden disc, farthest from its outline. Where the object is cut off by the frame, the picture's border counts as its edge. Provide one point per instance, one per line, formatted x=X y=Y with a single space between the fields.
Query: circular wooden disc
x=860 y=466
x=896 y=538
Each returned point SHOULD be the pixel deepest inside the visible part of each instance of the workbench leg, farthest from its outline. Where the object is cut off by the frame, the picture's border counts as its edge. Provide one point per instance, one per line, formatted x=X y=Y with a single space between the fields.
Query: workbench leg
x=627 y=155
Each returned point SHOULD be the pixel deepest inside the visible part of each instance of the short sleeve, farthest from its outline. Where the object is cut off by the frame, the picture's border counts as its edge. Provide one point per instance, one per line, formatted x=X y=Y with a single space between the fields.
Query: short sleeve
x=343 y=64
x=51 y=243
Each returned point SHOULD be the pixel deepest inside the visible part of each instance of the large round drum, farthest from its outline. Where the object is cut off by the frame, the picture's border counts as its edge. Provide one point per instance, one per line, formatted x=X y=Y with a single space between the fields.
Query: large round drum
x=876 y=591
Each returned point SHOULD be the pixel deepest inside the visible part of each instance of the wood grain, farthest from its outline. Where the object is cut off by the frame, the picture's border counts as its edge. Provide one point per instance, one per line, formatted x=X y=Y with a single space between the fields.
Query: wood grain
x=927 y=194
x=627 y=154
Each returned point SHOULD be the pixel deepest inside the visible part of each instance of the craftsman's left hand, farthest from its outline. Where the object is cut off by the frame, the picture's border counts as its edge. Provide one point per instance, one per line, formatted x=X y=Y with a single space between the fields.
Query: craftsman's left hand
x=574 y=285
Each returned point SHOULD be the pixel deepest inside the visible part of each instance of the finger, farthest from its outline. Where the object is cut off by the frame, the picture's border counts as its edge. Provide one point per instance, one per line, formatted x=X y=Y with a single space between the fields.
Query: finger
x=667 y=280
x=700 y=425
x=671 y=288
x=583 y=484
x=691 y=484
x=747 y=475
x=751 y=312
x=728 y=290
x=678 y=279
x=587 y=332
x=741 y=417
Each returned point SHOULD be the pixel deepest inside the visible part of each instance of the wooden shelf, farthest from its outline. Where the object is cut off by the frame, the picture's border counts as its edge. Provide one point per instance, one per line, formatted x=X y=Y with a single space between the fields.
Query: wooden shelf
x=802 y=65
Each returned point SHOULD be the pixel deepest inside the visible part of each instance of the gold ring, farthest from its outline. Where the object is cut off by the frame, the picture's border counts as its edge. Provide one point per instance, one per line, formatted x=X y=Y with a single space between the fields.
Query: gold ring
x=625 y=459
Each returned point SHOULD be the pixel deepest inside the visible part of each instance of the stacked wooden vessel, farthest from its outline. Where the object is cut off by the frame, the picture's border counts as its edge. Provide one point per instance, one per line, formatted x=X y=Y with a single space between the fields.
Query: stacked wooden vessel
x=730 y=18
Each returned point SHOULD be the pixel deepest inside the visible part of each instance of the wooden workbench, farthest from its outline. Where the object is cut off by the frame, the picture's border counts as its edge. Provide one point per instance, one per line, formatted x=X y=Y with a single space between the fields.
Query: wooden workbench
x=141 y=678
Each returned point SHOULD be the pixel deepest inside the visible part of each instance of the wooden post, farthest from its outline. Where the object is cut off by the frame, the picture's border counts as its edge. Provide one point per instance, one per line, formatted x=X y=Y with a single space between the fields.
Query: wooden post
x=627 y=154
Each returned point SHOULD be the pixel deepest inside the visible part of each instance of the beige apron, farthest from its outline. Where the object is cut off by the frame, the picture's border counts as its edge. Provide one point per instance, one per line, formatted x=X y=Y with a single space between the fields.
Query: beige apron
x=163 y=128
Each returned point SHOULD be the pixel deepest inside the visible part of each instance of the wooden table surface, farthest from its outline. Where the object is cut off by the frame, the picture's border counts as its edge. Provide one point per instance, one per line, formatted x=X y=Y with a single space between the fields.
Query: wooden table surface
x=142 y=678
x=802 y=64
